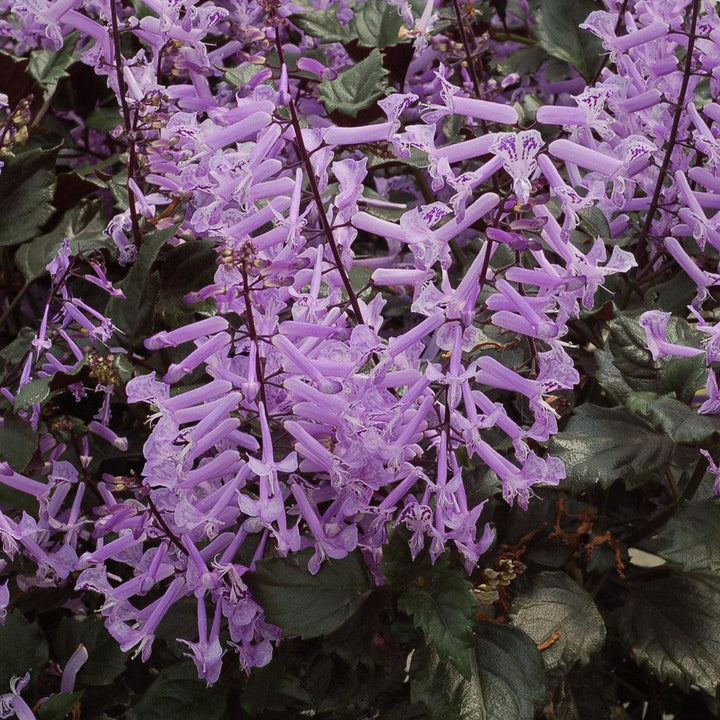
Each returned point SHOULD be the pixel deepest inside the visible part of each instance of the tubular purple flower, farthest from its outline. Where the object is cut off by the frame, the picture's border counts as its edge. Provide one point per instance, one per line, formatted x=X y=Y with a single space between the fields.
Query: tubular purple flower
x=222 y=136
x=256 y=220
x=640 y=102
x=202 y=444
x=186 y=333
x=655 y=324
x=306 y=365
x=196 y=357
x=106 y=433
x=467 y=149
x=493 y=373
x=483 y=205
x=484 y=110
x=72 y=667
x=378 y=226
x=653 y=31
x=402 y=342
x=19 y=482
x=585 y=157
x=560 y=115
x=338 y=136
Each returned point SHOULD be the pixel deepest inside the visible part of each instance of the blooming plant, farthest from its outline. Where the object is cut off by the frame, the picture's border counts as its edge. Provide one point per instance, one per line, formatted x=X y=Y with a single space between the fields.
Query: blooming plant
x=359 y=359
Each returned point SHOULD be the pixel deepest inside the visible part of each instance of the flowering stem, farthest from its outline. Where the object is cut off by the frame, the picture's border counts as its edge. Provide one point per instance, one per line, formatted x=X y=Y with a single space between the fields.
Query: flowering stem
x=129 y=126
x=305 y=157
x=673 y=131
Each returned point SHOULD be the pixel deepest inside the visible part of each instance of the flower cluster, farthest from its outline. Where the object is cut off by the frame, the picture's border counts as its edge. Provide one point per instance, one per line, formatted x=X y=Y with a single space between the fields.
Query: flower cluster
x=359 y=347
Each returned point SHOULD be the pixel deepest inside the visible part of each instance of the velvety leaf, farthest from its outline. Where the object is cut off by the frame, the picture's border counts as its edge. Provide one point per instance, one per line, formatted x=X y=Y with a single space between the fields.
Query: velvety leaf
x=507 y=683
x=18 y=442
x=27 y=185
x=376 y=24
x=177 y=693
x=310 y=605
x=606 y=444
x=627 y=345
x=558 y=33
x=691 y=538
x=594 y=223
x=323 y=25
x=239 y=77
x=125 y=314
x=357 y=87
x=679 y=422
x=84 y=229
x=48 y=67
x=557 y=604
x=186 y=268
x=672 y=626
x=56 y=707
x=105 y=659
x=445 y=609
x=24 y=648
x=32 y=394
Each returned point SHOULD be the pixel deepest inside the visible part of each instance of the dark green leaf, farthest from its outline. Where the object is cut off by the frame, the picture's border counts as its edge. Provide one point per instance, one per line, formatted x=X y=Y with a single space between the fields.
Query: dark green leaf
x=594 y=223
x=186 y=268
x=48 y=67
x=376 y=24
x=557 y=604
x=84 y=229
x=679 y=422
x=357 y=87
x=105 y=659
x=18 y=442
x=104 y=119
x=508 y=680
x=672 y=626
x=310 y=605
x=692 y=537
x=32 y=394
x=25 y=648
x=27 y=185
x=558 y=32
x=177 y=693
x=125 y=314
x=323 y=25
x=239 y=77
x=56 y=707
x=626 y=364
x=603 y=445
x=445 y=609
x=17 y=350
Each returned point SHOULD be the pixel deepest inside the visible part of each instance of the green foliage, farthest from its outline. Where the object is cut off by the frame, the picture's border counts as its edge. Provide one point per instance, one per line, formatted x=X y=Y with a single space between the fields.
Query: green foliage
x=310 y=605
x=34 y=393
x=556 y=606
x=48 y=67
x=507 y=682
x=692 y=536
x=18 y=442
x=131 y=313
x=601 y=445
x=559 y=34
x=188 y=267
x=25 y=648
x=83 y=227
x=356 y=88
x=376 y=24
x=672 y=626
x=442 y=605
x=105 y=659
x=27 y=185
x=58 y=706
x=177 y=692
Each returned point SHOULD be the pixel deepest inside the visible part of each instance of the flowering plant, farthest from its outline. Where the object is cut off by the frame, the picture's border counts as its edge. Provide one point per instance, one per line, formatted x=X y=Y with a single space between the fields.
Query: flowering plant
x=359 y=358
